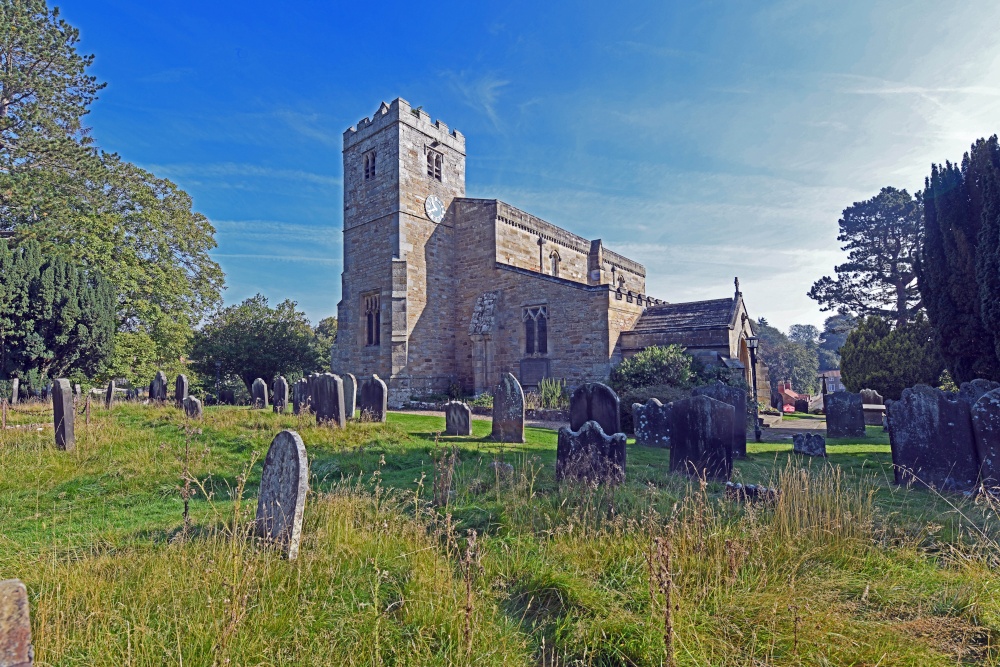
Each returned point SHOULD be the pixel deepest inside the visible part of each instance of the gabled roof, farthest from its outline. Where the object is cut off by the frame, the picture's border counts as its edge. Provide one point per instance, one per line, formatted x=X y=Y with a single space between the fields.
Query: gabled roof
x=715 y=314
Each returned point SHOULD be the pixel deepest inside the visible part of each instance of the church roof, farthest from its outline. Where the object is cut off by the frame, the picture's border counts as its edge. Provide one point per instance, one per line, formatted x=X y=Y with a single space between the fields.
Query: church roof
x=714 y=314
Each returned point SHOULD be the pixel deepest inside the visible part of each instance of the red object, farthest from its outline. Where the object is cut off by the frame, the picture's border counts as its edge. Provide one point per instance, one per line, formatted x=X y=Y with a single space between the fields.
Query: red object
x=788 y=408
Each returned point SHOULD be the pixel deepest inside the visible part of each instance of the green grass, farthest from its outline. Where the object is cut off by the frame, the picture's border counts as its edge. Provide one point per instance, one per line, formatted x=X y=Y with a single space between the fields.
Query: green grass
x=846 y=569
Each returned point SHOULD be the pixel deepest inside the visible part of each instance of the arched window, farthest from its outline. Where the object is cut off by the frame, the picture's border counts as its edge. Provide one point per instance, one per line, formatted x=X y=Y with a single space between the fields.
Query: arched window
x=555 y=259
x=373 y=320
x=434 y=164
x=536 y=330
x=369 y=165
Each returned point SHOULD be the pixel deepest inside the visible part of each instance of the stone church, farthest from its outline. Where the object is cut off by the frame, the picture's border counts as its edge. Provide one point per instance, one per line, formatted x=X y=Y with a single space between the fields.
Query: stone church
x=442 y=289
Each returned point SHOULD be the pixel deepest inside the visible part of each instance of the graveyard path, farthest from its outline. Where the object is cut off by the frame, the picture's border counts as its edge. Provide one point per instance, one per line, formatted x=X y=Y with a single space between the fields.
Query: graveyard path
x=531 y=423
x=786 y=428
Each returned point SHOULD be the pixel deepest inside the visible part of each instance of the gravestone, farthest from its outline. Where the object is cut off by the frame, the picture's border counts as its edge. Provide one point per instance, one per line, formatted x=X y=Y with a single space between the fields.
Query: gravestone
x=227 y=397
x=508 y=410
x=845 y=415
x=158 y=387
x=372 y=399
x=327 y=399
x=594 y=401
x=802 y=405
x=15 y=389
x=736 y=398
x=300 y=396
x=283 y=485
x=457 y=418
x=932 y=441
x=258 y=394
x=701 y=438
x=651 y=423
x=810 y=444
x=590 y=453
x=986 y=428
x=77 y=392
x=15 y=625
x=180 y=389
x=280 y=394
x=350 y=394
x=109 y=395
x=973 y=390
x=871 y=397
x=192 y=407
x=63 y=413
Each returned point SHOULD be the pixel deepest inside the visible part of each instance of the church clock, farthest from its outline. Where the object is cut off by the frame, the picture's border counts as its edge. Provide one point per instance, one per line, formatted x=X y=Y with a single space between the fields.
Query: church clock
x=434 y=208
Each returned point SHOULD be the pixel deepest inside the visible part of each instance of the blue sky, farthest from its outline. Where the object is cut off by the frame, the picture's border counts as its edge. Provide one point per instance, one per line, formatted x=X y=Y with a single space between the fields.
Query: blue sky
x=704 y=139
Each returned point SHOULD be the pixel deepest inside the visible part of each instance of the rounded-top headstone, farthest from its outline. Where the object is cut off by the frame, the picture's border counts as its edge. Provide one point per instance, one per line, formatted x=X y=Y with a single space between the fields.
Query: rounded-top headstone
x=508 y=410
x=595 y=401
x=192 y=407
x=457 y=418
x=373 y=397
x=180 y=389
x=327 y=399
x=283 y=485
x=350 y=394
x=280 y=392
x=590 y=453
x=258 y=394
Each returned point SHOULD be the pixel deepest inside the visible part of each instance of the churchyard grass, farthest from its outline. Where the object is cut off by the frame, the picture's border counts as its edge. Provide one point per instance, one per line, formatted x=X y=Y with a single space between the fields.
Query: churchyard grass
x=844 y=569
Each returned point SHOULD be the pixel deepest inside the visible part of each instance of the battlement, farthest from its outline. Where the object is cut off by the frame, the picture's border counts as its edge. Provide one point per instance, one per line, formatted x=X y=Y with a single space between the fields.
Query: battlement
x=400 y=111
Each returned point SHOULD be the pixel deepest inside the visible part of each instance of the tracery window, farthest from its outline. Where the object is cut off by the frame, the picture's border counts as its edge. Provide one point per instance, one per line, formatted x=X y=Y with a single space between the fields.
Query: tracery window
x=536 y=330
x=369 y=161
x=434 y=164
x=373 y=319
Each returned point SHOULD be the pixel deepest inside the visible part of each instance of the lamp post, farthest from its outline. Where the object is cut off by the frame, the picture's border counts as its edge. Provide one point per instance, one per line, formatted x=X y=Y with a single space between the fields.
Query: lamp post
x=752 y=343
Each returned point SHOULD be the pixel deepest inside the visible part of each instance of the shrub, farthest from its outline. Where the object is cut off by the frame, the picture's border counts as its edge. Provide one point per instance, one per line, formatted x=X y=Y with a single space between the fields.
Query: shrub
x=655 y=366
x=553 y=393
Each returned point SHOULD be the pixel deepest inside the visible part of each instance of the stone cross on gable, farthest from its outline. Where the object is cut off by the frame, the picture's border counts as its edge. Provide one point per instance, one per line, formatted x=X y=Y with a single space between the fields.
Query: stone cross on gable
x=736 y=282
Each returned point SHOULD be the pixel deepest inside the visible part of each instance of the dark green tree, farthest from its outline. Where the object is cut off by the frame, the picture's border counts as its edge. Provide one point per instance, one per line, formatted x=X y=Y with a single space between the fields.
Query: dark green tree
x=252 y=340
x=889 y=359
x=788 y=359
x=881 y=236
x=326 y=333
x=835 y=330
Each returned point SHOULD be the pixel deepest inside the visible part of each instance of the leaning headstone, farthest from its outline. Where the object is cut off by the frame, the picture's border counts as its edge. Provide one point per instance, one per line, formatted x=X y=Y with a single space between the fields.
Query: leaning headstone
x=283 y=485
x=192 y=407
x=457 y=418
x=810 y=444
x=508 y=410
x=590 y=453
x=973 y=390
x=350 y=394
x=63 y=413
x=801 y=405
x=300 y=395
x=180 y=389
x=15 y=625
x=594 y=401
x=373 y=398
x=15 y=390
x=258 y=394
x=327 y=398
x=701 y=438
x=109 y=395
x=280 y=394
x=871 y=397
x=651 y=423
x=986 y=427
x=932 y=441
x=845 y=415
x=736 y=398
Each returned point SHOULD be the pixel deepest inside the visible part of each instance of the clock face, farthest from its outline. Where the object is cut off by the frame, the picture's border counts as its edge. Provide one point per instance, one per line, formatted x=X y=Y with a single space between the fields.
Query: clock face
x=434 y=208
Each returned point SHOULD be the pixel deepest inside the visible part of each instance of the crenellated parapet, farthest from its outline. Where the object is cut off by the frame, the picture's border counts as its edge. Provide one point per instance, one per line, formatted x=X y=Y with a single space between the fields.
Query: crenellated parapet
x=400 y=111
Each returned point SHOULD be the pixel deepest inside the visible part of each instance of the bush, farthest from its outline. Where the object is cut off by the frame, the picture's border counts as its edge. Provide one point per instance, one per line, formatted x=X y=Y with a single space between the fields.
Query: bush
x=655 y=366
x=553 y=393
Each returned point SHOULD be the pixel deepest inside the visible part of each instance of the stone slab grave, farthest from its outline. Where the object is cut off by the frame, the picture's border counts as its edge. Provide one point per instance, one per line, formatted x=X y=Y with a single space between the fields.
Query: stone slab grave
x=845 y=415
x=932 y=441
x=738 y=399
x=15 y=625
x=279 y=390
x=63 y=414
x=192 y=408
x=15 y=389
x=591 y=454
x=986 y=428
x=109 y=395
x=457 y=418
x=701 y=438
x=180 y=390
x=595 y=401
x=258 y=394
x=373 y=397
x=508 y=410
x=651 y=423
x=283 y=485
x=350 y=394
x=158 y=387
x=802 y=405
x=327 y=399
x=810 y=444
x=300 y=396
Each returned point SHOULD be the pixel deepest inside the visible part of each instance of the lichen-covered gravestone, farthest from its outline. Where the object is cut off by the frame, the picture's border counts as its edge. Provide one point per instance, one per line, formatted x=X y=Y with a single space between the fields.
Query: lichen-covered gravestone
x=180 y=390
x=192 y=407
x=373 y=398
x=594 y=401
x=350 y=394
x=973 y=390
x=845 y=415
x=280 y=391
x=590 y=453
x=701 y=438
x=871 y=397
x=15 y=389
x=109 y=395
x=327 y=397
x=15 y=625
x=508 y=410
x=457 y=418
x=738 y=399
x=63 y=413
x=810 y=444
x=931 y=437
x=258 y=394
x=986 y=427
x=300 y=396
x=283 y=485
x=651 y=423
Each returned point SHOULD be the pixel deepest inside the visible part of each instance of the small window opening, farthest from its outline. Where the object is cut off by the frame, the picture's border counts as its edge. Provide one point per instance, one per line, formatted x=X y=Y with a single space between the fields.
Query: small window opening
x=373 y=320
x=434 y=163
x=554 y=258
x=369 y=165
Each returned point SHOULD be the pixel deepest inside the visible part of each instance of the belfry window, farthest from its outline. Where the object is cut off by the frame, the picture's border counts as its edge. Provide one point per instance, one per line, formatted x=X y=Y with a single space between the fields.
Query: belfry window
x=369 y=161
x=555 y=259
x=536 y=330
x=373 y=320
x=434 y=163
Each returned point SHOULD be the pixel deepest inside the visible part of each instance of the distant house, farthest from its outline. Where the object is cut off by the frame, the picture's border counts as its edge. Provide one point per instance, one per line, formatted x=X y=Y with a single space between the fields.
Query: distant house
x=789 y=395
x=833 y=381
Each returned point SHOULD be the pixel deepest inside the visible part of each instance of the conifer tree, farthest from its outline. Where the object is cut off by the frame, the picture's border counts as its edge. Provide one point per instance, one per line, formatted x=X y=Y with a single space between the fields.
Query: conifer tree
x=878 y=356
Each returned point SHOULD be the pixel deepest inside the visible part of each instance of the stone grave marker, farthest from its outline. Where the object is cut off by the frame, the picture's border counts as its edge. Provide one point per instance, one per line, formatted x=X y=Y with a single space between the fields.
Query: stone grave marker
x=283 y=485
x=192 y=407
x=651 y=423
x=180 y=389
x=63 y=414
x=508 y=410
x=227 y=397
x=300 y=395
x=701 y=438
x=258 y=394
x=589 y=453
x=802 y=405
x=15 y=625
x=15 y=390
x=109 y=395
x=932 y=441
x=373 y=396
x=280 y=394
x=350 y=394
x=327 y=399
x=594 y=401
x=871 y=397
x=736 y=398
x=986 y=428
x=810 y=444
x=845 y=415
x=158 y=387
x=457 y=418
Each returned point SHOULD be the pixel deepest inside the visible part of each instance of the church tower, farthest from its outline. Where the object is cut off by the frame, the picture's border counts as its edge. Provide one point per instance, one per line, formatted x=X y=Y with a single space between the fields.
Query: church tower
x=402 y=172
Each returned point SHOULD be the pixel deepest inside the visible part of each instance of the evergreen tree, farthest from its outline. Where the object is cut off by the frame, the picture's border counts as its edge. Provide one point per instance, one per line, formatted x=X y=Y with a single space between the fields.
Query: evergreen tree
x=878 y=356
